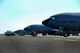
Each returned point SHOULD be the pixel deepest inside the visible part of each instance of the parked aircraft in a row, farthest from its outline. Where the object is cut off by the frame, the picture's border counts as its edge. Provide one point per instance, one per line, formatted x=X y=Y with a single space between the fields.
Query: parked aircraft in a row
x=62 y=24
x=33 y=30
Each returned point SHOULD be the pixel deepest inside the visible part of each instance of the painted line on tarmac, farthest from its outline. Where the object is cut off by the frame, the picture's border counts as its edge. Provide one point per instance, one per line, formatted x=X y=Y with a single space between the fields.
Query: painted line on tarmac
x=67 y=38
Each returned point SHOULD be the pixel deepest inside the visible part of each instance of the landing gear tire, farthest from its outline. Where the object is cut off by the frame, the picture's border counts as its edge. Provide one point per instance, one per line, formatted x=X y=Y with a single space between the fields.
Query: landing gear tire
x=34 y=33
x=44 y=34
x=66 y=35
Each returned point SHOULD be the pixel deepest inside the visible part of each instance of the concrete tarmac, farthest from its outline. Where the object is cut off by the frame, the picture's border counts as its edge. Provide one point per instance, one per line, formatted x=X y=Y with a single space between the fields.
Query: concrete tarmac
x=39 y=44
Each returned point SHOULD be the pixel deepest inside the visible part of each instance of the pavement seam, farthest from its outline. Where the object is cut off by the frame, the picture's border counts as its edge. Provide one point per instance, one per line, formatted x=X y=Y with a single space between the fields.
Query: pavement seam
x=14 y=45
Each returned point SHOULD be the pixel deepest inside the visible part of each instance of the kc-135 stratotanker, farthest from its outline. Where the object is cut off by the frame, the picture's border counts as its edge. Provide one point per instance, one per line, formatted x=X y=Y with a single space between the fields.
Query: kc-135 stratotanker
x=67 y=23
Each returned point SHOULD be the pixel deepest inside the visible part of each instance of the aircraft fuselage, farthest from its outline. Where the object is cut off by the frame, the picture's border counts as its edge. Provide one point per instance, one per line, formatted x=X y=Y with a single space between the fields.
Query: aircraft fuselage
x=64 y=21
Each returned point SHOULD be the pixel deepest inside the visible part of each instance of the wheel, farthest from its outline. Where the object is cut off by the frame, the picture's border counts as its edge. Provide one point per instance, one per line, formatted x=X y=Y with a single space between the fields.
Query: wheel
x=44 y=34
x=6 y=34
x=34 y=33
x=66 y=35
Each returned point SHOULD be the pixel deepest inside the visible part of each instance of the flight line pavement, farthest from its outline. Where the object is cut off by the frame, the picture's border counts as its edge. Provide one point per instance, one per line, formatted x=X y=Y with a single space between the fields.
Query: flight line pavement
x=39 y=44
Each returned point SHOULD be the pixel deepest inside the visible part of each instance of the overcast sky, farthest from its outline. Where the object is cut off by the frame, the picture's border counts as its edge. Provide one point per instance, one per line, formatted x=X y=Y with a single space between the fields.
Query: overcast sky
x=18 y=14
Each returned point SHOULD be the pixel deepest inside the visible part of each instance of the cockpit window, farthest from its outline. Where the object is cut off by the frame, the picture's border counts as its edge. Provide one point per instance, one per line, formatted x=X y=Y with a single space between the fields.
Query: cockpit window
x=52 y=17
x=28 y=27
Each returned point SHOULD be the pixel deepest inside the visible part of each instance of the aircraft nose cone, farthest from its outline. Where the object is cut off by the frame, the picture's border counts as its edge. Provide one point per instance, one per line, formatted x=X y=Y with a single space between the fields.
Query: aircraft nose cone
x=45 y=22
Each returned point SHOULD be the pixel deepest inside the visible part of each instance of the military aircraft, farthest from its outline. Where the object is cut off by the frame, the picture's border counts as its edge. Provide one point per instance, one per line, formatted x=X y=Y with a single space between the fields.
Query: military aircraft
x=9 y=33
x=67 y=23
x=36 y=29
x=21 y=32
